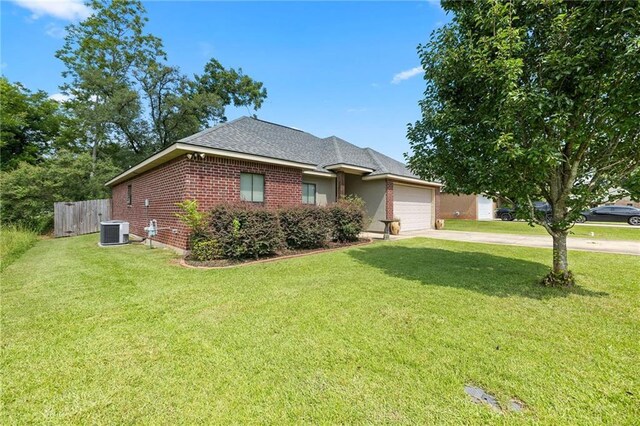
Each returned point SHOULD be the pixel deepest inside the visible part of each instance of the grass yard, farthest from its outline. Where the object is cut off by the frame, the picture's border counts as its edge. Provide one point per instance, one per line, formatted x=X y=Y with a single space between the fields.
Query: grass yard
x=386 y=333
x=627 y=232
x=13 y=243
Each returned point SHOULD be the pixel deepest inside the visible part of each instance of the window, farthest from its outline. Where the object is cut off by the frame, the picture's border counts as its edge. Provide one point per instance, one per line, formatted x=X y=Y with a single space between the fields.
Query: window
x=252 y=187
x=129 y=199
x=308 y=193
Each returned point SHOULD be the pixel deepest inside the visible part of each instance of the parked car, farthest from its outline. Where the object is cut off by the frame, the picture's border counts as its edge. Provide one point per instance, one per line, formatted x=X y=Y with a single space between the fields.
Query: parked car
x=509 y=213
x=631 y=215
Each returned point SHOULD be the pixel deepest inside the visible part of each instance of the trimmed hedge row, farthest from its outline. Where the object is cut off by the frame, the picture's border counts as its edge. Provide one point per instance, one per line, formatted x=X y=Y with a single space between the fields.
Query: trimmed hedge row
x=240 y=231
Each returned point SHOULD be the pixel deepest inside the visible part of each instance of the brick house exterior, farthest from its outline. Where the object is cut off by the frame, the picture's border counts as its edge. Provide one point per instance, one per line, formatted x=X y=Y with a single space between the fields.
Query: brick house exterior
x=208 y=166
x=211 y=180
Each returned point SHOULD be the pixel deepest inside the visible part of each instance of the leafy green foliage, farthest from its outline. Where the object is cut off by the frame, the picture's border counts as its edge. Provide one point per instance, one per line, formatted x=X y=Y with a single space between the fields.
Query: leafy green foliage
x=244 y=231
x=32 y=125
x=238 y=231
x=532 y=101
x=204 y=250
x=305 y=227
x=231 y=87
x=29 y=191
x=192 y=217
x=349 y=218
x=122 y=89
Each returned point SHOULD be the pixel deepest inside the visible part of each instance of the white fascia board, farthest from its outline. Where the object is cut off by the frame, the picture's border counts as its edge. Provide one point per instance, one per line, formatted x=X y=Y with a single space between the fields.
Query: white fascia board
x=143 y=165
x=402 y=179
x=349 y=167
x=321 y=174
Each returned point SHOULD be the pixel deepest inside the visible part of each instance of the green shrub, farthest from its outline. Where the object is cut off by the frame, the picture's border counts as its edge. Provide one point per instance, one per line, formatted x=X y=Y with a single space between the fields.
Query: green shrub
x=205 y=249
x=348 y=217
x=305 y=227
x=194 y=219
x=244 y=231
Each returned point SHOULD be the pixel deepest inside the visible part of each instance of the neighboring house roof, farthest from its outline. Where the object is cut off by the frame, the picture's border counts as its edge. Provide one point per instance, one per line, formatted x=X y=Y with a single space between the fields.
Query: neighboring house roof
x=262 y=139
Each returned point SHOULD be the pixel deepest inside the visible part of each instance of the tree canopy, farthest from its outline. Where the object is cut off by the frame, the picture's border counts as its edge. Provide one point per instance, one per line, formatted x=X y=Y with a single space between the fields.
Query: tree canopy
x=123 y=91
x=532 y=101
x=32 y=125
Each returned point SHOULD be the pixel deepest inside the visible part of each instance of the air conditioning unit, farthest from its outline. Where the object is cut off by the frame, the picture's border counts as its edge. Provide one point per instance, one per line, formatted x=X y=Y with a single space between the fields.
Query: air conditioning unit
x=114 y=232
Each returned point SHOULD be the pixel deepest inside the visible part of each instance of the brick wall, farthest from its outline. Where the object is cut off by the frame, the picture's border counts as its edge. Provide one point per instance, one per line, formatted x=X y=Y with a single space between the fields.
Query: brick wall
x=466 y=205
x=389 y=199
x=214 y=180
x=626 y=202
x=163 y=186
x=211 y=180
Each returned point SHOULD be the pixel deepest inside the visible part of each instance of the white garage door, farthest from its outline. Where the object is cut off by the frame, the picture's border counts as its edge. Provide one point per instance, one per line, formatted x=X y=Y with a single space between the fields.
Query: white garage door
x=485 y=208
x=412 y=205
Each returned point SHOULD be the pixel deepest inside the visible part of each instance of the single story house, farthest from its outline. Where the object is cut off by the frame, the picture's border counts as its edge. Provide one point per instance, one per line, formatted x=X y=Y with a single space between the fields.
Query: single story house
x=472 y=207
x=271 y=165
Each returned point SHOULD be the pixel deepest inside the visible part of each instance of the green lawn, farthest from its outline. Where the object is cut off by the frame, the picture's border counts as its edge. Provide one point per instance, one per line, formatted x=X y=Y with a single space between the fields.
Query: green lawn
x=13 y=243
x=386 y=333
x=627 y=232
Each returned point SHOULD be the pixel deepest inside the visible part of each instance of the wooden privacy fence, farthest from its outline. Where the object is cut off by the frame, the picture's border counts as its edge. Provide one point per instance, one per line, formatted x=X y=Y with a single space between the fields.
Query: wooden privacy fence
x=81 y=217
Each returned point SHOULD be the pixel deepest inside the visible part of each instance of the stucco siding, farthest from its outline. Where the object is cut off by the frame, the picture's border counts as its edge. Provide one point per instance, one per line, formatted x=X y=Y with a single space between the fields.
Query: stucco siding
x=373 y=194
x=325 y=189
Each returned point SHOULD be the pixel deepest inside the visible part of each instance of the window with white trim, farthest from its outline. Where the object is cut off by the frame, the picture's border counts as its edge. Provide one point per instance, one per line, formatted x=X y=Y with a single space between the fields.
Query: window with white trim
x=252 y=187
x=308 y=193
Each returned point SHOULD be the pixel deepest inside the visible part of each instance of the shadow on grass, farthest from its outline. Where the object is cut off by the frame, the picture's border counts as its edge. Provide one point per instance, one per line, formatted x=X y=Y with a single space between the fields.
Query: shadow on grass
x=480 y=272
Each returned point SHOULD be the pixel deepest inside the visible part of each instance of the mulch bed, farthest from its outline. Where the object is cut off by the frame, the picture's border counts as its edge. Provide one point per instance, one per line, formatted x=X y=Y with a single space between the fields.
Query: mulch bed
x=283 y=254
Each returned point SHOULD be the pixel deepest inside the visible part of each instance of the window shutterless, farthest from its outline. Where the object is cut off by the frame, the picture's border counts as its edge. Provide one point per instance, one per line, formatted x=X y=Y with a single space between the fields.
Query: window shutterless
x=252 y=187
x=308 y=193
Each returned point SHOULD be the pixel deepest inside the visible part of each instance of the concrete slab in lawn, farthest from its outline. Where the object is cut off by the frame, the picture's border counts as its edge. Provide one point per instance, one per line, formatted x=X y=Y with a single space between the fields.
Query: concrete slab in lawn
x=610 y=246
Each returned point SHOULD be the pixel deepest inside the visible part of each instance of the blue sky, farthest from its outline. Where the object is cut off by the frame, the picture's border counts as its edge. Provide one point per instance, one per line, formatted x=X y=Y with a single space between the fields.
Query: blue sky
x=348 y=69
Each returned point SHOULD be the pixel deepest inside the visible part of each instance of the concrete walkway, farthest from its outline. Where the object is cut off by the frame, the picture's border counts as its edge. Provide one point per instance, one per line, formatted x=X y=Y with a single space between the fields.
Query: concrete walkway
x=606 y=246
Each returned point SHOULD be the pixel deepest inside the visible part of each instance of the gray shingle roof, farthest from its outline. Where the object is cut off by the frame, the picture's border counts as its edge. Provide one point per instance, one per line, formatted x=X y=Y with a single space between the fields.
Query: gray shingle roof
x=258 y=137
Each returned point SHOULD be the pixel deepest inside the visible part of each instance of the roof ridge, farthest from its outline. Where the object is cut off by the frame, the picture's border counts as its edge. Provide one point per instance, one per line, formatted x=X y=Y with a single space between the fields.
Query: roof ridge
x=279 y=125
x=334 y=139
x=373 y=154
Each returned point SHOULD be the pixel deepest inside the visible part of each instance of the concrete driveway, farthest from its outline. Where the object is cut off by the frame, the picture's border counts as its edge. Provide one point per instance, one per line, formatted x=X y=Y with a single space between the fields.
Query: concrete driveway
x=605 y=246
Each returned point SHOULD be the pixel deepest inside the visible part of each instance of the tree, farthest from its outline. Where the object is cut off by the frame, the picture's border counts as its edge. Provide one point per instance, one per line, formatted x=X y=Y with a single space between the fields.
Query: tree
x=101 y=55
x=529 y=101
x=123 y=91
x=32 y=125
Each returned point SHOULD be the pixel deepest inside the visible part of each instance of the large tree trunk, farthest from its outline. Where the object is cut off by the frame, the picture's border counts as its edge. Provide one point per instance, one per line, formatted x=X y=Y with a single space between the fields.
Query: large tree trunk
x=560 y=275
x=560 y=261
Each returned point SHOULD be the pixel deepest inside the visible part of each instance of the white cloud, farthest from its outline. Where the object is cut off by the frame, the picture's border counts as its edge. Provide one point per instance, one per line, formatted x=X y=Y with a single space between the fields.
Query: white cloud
x=60 y=97
x=356 y=110
x=55 y=31
x=70 y=10
x=405 y=75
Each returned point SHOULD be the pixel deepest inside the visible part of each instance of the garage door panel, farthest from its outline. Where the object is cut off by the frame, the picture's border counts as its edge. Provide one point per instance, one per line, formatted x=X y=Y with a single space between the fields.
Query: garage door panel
x=412 y=205
x=485 y=208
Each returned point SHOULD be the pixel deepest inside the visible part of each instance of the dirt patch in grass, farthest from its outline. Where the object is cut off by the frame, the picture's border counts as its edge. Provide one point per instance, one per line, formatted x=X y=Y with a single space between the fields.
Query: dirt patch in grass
x=283 y=254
